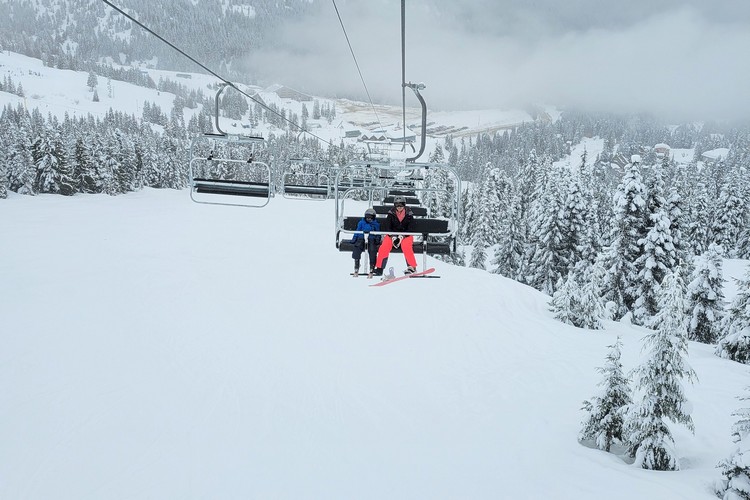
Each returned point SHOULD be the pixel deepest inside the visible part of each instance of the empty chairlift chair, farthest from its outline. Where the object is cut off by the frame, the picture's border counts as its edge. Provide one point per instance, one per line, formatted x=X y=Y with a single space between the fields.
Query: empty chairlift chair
x=307 y=179
x=219 y=178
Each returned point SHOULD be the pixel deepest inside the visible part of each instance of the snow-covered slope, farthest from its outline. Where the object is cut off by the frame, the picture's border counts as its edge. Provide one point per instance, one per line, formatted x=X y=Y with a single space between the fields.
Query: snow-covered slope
x=57 y=92
x=156 y=348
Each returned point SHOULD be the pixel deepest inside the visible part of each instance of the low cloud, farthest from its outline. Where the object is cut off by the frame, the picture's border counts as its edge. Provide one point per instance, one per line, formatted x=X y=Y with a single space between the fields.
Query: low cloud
x=678 y=63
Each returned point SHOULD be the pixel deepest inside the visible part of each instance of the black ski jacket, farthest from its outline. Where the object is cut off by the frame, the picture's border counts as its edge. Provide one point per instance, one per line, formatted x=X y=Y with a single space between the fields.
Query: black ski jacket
x=393 y=224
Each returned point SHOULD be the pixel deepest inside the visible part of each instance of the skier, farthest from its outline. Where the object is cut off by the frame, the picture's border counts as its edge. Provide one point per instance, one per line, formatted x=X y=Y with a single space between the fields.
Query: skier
x=366 y=224
x=399 y=219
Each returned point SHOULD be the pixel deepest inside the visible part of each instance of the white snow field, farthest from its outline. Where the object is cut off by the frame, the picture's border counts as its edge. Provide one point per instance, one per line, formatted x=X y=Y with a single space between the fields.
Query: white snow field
x=153 y=348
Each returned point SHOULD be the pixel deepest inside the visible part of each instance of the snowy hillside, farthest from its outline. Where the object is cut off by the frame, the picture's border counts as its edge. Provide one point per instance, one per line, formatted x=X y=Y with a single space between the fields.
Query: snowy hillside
x=57 y=92
x=156 y=348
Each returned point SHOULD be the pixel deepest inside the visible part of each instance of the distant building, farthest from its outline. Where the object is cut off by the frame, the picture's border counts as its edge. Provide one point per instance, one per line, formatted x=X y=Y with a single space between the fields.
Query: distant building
x=389 y=134
x=397 y=135
x=287 y=93
x=187 y=76
x=373 y=136
x=661 y=150
x=715 y=155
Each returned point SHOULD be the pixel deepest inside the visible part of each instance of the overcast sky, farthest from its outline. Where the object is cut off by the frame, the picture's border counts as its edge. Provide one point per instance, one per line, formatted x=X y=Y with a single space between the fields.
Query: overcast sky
x=687 y=59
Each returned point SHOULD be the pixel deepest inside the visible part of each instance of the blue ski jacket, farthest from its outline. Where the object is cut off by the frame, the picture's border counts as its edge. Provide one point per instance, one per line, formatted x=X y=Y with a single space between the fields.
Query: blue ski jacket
x=365 y=226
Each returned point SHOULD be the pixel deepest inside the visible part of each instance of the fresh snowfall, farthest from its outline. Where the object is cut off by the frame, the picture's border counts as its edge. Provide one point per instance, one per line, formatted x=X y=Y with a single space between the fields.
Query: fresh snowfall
x=155 y=348
x=158 y=348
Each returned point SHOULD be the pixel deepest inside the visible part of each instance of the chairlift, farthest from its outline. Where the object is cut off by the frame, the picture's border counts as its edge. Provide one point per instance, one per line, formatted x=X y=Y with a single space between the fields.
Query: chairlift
x=306 y=179
x=433 y=235
x=224 y=171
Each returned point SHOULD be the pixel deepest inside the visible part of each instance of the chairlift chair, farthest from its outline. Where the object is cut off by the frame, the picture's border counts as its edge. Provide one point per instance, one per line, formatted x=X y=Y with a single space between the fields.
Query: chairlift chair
x=219 y=180
x=306 y=179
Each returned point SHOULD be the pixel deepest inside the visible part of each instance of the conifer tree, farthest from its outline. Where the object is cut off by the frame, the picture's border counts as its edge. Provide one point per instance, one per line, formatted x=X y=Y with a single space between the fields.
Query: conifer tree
x=743 y=243
x=706 y=297
x=84 y=173
x=660 y=380
x=4 y=148
x=606 y=411
x=729 y=221
x=578 y=300
x=92 y=81
x=479 y=255
x=575 y=244
x=657 y=256
x=675 y=212
x=735 y=342
x=628 y=227
x=736 y=468
x=698 y=220
x=548 y=262
x=508 y=257
x=21 y=161
x=53 y=174
x=3 y=180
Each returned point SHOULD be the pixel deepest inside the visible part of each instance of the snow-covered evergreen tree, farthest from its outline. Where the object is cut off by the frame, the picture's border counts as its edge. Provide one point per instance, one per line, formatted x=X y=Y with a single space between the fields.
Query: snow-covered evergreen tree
x=660 y=380
x=628 y=227
x=657 y=256
x=729 y=221
x=479 y=255
x=736 y=468
x=92 y=81
x=706 y=297
x=676 y=213
x=508 y=257
x=698 y=220
x=84 y=172
x=606 y=411
x=735 y=342
x=578 y=300
x=53 y=174
x=498 y=192
x=3 y=180
x=548 y=262
x=743 y=243
x=20 y=162
x=575 y=213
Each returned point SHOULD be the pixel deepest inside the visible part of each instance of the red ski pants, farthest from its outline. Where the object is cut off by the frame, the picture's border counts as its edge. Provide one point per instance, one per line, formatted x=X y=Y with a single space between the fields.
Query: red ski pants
x=407 y=246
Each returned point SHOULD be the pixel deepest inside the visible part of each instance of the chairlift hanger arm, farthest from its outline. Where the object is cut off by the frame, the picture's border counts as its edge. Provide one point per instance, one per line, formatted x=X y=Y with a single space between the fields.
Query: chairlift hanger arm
x=416 y=87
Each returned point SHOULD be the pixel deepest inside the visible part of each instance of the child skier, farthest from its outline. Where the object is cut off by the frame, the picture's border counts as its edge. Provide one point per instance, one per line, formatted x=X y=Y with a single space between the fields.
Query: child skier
x=366 y=224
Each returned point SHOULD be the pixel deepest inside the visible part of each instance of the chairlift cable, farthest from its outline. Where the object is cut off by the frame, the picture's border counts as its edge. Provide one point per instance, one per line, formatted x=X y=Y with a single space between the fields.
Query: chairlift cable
x=356 y=63
x=403 y=69
x=213 y=73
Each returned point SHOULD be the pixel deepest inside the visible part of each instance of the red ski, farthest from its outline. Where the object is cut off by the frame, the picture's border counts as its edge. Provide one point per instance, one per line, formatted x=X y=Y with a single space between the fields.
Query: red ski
x=406 y=277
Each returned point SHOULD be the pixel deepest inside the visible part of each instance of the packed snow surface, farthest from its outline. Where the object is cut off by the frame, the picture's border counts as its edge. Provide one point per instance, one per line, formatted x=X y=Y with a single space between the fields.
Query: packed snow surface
x=157 y=348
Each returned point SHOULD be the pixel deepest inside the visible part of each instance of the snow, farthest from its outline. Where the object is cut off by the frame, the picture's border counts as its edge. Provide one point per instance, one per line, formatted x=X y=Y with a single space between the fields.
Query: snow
x=56 y=92
x=733 y=269
x=592 y=146
x=682 y=156
x=157 y=348
x=717 y=154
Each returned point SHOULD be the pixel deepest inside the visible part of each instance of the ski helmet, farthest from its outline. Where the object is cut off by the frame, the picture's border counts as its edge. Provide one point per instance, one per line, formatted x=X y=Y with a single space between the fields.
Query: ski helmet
x=399 y=200
x=370 y=213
